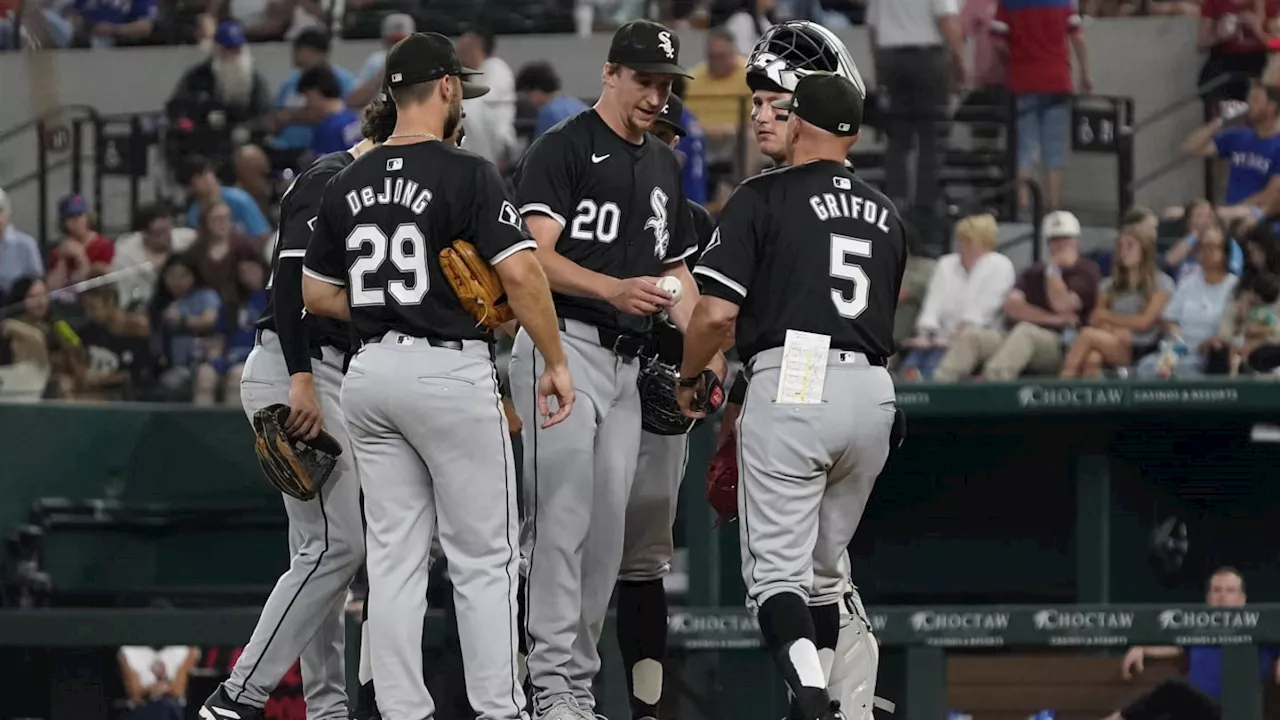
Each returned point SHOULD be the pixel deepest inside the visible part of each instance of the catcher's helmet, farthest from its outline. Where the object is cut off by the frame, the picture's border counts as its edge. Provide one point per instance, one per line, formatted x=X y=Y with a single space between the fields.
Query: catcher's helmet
x=659 y=412
x=788 y=51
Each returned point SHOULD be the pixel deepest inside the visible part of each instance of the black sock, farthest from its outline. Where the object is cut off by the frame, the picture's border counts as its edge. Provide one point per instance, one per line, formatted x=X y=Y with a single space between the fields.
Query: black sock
x=522 y=637
x=785 y=620
x=642 y=633
x=826 y=625
x=366 y=703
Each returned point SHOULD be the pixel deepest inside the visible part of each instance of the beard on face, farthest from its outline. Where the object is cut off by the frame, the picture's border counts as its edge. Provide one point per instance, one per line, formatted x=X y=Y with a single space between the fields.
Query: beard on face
x=454 y=117
x=233 y=79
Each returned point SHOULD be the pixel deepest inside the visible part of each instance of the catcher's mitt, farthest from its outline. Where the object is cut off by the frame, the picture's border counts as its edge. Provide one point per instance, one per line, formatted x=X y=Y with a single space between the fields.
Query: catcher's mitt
x=659 y=413
x=722 y=481
x=476 y=284
x=296 y=468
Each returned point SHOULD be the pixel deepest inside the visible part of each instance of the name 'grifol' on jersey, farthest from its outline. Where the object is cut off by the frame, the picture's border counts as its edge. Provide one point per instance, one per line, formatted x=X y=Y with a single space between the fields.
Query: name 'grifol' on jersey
x=383 y=223
x=810 y=248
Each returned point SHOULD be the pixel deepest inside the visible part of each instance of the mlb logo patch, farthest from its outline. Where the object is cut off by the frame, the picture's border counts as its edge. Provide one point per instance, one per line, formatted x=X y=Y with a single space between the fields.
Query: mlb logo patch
x=395 y=164
x=844 y=127
x=396 y=77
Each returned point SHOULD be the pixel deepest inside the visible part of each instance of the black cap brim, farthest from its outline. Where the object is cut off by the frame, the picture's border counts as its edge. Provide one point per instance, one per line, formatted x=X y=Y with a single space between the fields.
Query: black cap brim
x=680 y=132
x=471 y=89
x=658 y=69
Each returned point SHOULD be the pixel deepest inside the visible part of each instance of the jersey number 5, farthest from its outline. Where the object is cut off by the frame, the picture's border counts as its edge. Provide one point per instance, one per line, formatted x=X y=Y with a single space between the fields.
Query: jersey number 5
x=407 y=250
x=842 y=246
x=596 y=222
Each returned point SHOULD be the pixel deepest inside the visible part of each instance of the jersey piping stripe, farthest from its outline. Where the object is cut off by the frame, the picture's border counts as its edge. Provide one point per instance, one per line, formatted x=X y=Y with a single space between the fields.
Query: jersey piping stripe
x=541 y=209
x=742 y=487
x=531 y=509
x=718 y=277
x=322 y=278
x=512 y=553
x=526 y=245
x=324 y=517
x=681 y=256
x=292 y=253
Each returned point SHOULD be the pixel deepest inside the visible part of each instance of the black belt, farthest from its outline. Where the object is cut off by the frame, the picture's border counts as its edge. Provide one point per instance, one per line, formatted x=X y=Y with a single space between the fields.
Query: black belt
x=874 y=360
x=314 y=349
x=624 y=345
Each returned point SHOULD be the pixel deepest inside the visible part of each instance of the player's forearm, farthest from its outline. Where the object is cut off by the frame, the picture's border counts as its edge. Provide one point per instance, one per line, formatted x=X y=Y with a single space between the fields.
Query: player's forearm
x=569 y=278
x=294 y=340
x=703 y=338
x=530 y=298
x=325 y=299
x=680 y=313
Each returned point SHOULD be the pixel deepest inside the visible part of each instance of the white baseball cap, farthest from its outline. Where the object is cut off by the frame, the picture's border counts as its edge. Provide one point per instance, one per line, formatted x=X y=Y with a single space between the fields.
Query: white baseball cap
x=1059 y=223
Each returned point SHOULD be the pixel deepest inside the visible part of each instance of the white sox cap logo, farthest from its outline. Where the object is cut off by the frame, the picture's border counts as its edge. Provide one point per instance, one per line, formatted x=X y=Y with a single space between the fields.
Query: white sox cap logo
x=658 y=222
x=664 y=42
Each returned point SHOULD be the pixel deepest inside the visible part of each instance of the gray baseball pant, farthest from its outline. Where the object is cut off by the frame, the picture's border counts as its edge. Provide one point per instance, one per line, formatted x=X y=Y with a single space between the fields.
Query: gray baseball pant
x=304 y=614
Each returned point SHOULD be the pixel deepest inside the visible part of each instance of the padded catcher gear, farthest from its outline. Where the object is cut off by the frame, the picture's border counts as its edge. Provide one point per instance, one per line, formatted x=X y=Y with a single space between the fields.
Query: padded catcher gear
x=791 y=50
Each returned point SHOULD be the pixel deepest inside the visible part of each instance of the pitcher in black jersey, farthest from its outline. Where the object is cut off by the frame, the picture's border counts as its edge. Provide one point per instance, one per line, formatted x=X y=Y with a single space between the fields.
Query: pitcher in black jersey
x=603 y=200
x=807 y=261
x=298 y=360
x=421 y=394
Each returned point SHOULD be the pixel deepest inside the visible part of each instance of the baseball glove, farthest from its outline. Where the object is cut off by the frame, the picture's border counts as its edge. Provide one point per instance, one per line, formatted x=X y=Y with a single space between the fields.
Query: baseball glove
x=294 y=467
x=722 y=481
x=659 y=413
x=476 y=284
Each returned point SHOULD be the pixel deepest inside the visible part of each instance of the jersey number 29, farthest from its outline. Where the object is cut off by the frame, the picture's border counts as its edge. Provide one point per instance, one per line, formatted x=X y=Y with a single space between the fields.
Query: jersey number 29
x=842 y=246
x=407 y=250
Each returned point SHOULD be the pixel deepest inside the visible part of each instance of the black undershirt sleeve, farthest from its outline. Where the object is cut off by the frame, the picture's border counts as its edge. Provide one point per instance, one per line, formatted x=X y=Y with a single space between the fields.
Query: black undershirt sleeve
x=295 y=342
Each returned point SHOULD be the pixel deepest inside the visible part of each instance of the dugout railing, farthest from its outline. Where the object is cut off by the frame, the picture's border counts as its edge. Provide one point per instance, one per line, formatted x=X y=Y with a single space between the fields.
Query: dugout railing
x=726 y=643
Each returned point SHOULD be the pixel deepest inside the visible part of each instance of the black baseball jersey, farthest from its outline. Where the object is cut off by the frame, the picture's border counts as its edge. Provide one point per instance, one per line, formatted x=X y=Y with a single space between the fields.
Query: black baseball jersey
x=621 y=208
x=810 y=248
x=298 y=211
x=667 y=338
x=383 y=223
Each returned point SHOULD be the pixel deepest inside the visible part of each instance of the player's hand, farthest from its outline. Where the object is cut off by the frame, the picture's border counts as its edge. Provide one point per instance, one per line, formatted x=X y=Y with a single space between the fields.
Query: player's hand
x=639 y=296
x=1133 y=664
x=555 y=383
x=305 y=418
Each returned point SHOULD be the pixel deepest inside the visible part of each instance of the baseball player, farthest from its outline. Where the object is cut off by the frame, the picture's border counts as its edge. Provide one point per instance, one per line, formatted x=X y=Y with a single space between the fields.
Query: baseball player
x=299 y=360
x=785 y=53
x=648 y=544
x=603 y=200
x=421 y=395
x=815 y=429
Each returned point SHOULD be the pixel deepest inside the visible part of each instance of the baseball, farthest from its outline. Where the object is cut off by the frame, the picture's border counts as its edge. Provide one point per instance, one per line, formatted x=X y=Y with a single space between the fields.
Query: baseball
x=672 y=286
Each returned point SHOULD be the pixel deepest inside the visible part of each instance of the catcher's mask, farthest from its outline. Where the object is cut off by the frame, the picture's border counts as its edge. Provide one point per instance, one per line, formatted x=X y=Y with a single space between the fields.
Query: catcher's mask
x=659 y=412
x=298 y=468
x=788 y=51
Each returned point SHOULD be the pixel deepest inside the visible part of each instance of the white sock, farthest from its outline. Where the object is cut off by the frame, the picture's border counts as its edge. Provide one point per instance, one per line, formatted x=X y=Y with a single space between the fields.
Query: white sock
x=804 y=659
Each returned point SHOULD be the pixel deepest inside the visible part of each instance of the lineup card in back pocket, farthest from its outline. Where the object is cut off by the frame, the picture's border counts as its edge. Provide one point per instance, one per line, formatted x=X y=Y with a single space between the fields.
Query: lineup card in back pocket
x=804 y=368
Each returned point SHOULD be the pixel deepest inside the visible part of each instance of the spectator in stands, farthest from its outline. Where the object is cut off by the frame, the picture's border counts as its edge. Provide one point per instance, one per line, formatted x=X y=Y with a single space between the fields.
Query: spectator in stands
x=1252 y=150
x=38 y=26
x=269 y=20
x=1262 y=262
x=26 y=358
x=1198 y=696
x=1234 y=34
x=1046 y=299
x=218 y=250
x=106 y=23
x=968 y=289
x=1195 y=312
x=292 y=117
x=220 y=374
x=747 y=22
x=253 y=175
x=1181 y=259
x=19 y=252
x=395 y=27
x=491 y=130
x=988 y=72
x=82 y=251
x=919 y=55
x=1035 y=39
x=217 y=96
x=184 y=312
x=115 y=348
x=203 y=188
x=1125 y=324
x=339 y=125
x=915 y=285
x=155 y=680
x=144 y=251
x=538 y=84
x=717 y=94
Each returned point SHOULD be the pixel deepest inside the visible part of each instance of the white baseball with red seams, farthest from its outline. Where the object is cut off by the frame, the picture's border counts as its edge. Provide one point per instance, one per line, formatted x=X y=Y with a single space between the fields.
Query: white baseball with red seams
x=672 y=286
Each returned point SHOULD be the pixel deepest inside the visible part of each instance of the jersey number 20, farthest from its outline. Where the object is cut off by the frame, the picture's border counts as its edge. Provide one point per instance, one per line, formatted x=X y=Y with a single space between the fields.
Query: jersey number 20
x=407 y=250
x=842 y=246
x=595 y=222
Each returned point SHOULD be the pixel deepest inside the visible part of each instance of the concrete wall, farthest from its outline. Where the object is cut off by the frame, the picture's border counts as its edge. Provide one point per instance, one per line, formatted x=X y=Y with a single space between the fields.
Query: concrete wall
x=1152 y=60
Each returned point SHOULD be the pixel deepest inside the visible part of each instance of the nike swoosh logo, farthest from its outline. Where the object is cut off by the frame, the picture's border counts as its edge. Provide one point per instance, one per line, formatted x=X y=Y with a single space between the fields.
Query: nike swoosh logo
x=599 y=158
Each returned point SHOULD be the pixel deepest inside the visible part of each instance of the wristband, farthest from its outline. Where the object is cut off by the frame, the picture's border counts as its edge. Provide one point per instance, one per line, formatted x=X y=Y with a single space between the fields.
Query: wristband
x=690 y=382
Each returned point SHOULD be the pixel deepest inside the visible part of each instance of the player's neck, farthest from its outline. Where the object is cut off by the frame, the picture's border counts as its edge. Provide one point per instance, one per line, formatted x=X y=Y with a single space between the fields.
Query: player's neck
x=361 y=148
x=414 y=125
x=806 y=153
x=616 y=123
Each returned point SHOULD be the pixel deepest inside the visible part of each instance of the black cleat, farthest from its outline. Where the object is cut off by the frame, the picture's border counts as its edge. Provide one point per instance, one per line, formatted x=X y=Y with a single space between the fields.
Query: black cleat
x=833 y=712
x=220 y=707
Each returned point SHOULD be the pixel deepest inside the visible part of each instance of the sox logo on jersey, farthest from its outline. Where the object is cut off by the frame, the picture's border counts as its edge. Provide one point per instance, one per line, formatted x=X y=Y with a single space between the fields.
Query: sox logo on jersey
x=658 y=222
